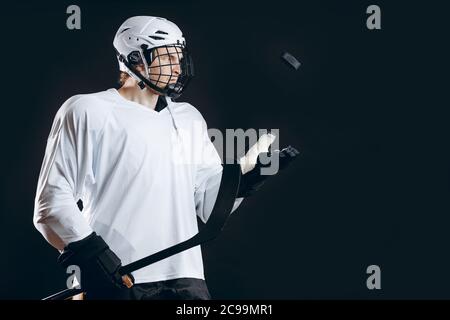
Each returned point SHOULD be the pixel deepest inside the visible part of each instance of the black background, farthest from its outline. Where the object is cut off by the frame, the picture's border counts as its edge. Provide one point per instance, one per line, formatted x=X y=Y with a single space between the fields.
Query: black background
x=367 y=108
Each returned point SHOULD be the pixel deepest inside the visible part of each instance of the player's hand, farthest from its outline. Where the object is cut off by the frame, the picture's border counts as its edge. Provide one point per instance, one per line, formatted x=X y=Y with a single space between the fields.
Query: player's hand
x=98 y=264
x=252 y=180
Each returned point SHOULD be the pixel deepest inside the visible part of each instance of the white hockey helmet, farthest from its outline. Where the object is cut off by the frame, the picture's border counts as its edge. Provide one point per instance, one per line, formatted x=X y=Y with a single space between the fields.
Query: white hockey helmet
x=135 y=43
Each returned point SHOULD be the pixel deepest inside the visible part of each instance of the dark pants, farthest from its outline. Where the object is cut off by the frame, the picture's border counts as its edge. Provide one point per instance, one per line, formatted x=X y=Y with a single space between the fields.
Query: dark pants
x=174 y=289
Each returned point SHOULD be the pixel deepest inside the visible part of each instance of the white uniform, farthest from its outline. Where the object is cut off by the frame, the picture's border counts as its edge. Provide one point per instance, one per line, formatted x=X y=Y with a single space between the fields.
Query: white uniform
x=139 y=175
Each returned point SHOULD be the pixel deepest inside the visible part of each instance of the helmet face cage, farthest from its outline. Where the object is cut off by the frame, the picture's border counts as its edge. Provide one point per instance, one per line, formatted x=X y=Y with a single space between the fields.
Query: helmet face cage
x=167 y=69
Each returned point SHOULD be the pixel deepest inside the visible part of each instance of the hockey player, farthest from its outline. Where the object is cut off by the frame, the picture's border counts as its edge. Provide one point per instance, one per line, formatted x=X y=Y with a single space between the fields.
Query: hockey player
x=125 y=154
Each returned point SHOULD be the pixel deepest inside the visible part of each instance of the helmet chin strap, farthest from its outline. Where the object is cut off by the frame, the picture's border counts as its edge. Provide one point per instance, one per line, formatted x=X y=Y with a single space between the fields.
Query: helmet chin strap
x=132 y=72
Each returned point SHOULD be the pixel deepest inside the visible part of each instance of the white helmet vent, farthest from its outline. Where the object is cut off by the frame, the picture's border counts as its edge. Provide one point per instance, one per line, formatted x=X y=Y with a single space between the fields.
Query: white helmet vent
x=156 y=38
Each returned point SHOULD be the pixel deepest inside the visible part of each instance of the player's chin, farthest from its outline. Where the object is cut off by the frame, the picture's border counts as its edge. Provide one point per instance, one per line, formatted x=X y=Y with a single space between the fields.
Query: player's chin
x=160 y=84
x=169 y=81
x=164 y=84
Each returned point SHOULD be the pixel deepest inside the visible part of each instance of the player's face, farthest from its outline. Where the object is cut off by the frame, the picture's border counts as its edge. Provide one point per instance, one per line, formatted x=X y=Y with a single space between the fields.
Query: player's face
x=165 y=67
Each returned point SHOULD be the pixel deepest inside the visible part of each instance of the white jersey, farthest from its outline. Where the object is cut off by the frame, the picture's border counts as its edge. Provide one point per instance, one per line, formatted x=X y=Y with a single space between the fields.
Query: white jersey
x=139 y=174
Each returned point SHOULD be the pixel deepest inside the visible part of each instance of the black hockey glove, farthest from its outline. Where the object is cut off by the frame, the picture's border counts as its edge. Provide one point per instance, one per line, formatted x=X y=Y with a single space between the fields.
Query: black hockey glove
x=253 y=180
x=98 y=264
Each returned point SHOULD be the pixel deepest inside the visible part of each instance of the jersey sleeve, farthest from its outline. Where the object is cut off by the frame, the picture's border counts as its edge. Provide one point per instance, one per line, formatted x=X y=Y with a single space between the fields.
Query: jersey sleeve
x=65 y=171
